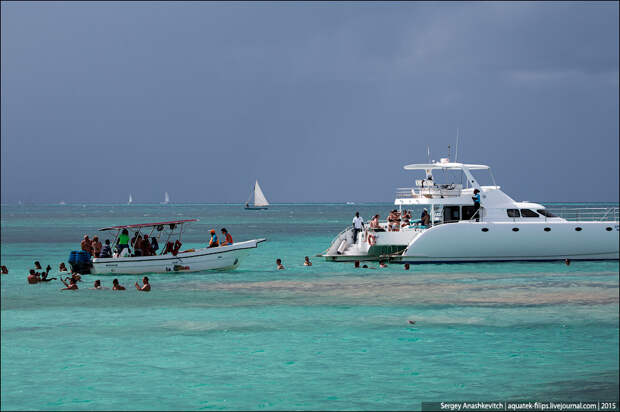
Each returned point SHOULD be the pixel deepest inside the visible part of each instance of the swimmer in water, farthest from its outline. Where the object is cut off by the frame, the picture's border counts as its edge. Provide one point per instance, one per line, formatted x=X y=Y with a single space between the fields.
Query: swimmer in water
x=97 y=285
x=357 y=264
x=33 y=277
x=62 y=267
x=146 y=286
x=279 y=264
x=406 y=266
x=44 y=277
x=412 y=322
x=5 y=271
x=72 y=285
x=382 y=264
x=117 y=286
x=567 y=261
x=307 y=261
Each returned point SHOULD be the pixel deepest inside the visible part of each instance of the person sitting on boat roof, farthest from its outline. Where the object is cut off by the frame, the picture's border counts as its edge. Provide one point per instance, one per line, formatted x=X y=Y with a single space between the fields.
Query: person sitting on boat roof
x=228 y=238
x=123 y=241
x=214 y=242
x=106 y=251
x=87 y=245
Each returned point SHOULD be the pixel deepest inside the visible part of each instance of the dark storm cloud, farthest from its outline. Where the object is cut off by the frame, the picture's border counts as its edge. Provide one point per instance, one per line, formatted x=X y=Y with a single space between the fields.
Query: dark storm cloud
x=319 y=101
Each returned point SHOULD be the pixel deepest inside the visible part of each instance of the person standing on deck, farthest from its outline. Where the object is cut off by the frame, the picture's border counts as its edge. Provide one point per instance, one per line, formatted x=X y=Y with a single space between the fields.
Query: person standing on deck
x=123 y=241
x=358 y=225
x=86 y=245
x=476 y=199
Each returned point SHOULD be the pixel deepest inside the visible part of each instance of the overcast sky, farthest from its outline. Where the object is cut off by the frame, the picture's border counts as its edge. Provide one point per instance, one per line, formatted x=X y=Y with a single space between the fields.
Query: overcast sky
x=322 y=102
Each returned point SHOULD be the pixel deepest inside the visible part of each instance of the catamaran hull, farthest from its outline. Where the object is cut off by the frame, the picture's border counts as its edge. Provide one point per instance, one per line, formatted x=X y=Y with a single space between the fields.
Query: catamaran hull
x=470 y=242
x=220 y=258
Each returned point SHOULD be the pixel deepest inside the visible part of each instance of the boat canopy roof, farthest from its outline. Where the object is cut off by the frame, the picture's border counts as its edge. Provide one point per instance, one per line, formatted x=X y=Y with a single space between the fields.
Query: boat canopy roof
x=171 y=222
x=445 y=165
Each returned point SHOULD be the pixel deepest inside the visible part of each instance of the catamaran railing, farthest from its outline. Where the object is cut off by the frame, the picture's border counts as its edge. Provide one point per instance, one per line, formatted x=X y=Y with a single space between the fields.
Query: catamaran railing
x=587 y=214
x=429 y=192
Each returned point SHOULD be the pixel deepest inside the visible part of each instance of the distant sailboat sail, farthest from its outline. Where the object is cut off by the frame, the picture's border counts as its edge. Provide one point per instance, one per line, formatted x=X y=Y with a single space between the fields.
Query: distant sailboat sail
x=130 y=199
x=260 y=201
x=259 y=196
x=166 y=199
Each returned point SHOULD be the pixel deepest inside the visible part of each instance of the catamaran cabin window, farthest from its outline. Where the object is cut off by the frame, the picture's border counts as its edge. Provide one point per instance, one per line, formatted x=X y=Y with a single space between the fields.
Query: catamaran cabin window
x=513 y=212
x=545 y=213
x=528 y=213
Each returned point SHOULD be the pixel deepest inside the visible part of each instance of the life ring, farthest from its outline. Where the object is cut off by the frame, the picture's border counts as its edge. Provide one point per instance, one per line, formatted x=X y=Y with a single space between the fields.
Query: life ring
x=372 y=240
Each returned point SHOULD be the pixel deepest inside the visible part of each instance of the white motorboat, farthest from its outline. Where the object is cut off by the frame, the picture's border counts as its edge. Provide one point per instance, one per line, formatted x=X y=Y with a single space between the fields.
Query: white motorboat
x=170 y=258
x=502 y=229
x=260 y=201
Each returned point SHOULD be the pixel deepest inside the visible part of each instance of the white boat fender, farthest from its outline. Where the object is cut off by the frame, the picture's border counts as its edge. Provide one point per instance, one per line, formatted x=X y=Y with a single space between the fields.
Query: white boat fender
x=343 y=246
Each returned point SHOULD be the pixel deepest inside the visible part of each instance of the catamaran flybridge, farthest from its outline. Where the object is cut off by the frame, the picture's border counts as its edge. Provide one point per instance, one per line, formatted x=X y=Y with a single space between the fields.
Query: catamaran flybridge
x=501 y=230
x=170 y=258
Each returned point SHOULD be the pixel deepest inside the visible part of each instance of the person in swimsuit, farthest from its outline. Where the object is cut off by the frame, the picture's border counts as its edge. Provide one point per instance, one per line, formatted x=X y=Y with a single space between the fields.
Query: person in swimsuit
x=96 y=244
x=279 y=264
x=33 y=277
x=97 y=285
x=117 y=286
x=307 y=261
x=146 y=286
x=72 y=285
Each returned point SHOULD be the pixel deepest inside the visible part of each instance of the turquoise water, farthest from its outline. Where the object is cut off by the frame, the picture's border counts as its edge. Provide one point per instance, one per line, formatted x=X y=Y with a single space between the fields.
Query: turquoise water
x=322 y=337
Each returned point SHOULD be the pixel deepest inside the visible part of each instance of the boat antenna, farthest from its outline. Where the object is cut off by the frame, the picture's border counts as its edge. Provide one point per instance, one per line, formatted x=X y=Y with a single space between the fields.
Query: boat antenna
x=456 y=151
x=428 y=153
x=448 y=153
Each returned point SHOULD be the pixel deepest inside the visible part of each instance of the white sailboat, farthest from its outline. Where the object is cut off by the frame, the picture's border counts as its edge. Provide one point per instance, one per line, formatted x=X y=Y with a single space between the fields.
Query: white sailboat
x=166 y=199
x=260 y=201
x=130 y=201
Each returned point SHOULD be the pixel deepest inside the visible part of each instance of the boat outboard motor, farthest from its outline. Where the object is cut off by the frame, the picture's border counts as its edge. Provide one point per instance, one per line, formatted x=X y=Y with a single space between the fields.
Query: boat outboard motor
x=80 y=261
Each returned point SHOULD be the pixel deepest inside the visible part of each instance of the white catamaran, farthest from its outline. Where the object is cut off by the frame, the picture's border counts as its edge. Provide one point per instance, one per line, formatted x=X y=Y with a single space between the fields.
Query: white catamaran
x=456 y=229
x=260 y=201
x=168 y=258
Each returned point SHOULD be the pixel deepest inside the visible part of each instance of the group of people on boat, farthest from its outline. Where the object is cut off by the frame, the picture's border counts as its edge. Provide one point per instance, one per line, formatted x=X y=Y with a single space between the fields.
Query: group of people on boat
x=143 y=245
x=395 y=221
x=226 y=238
